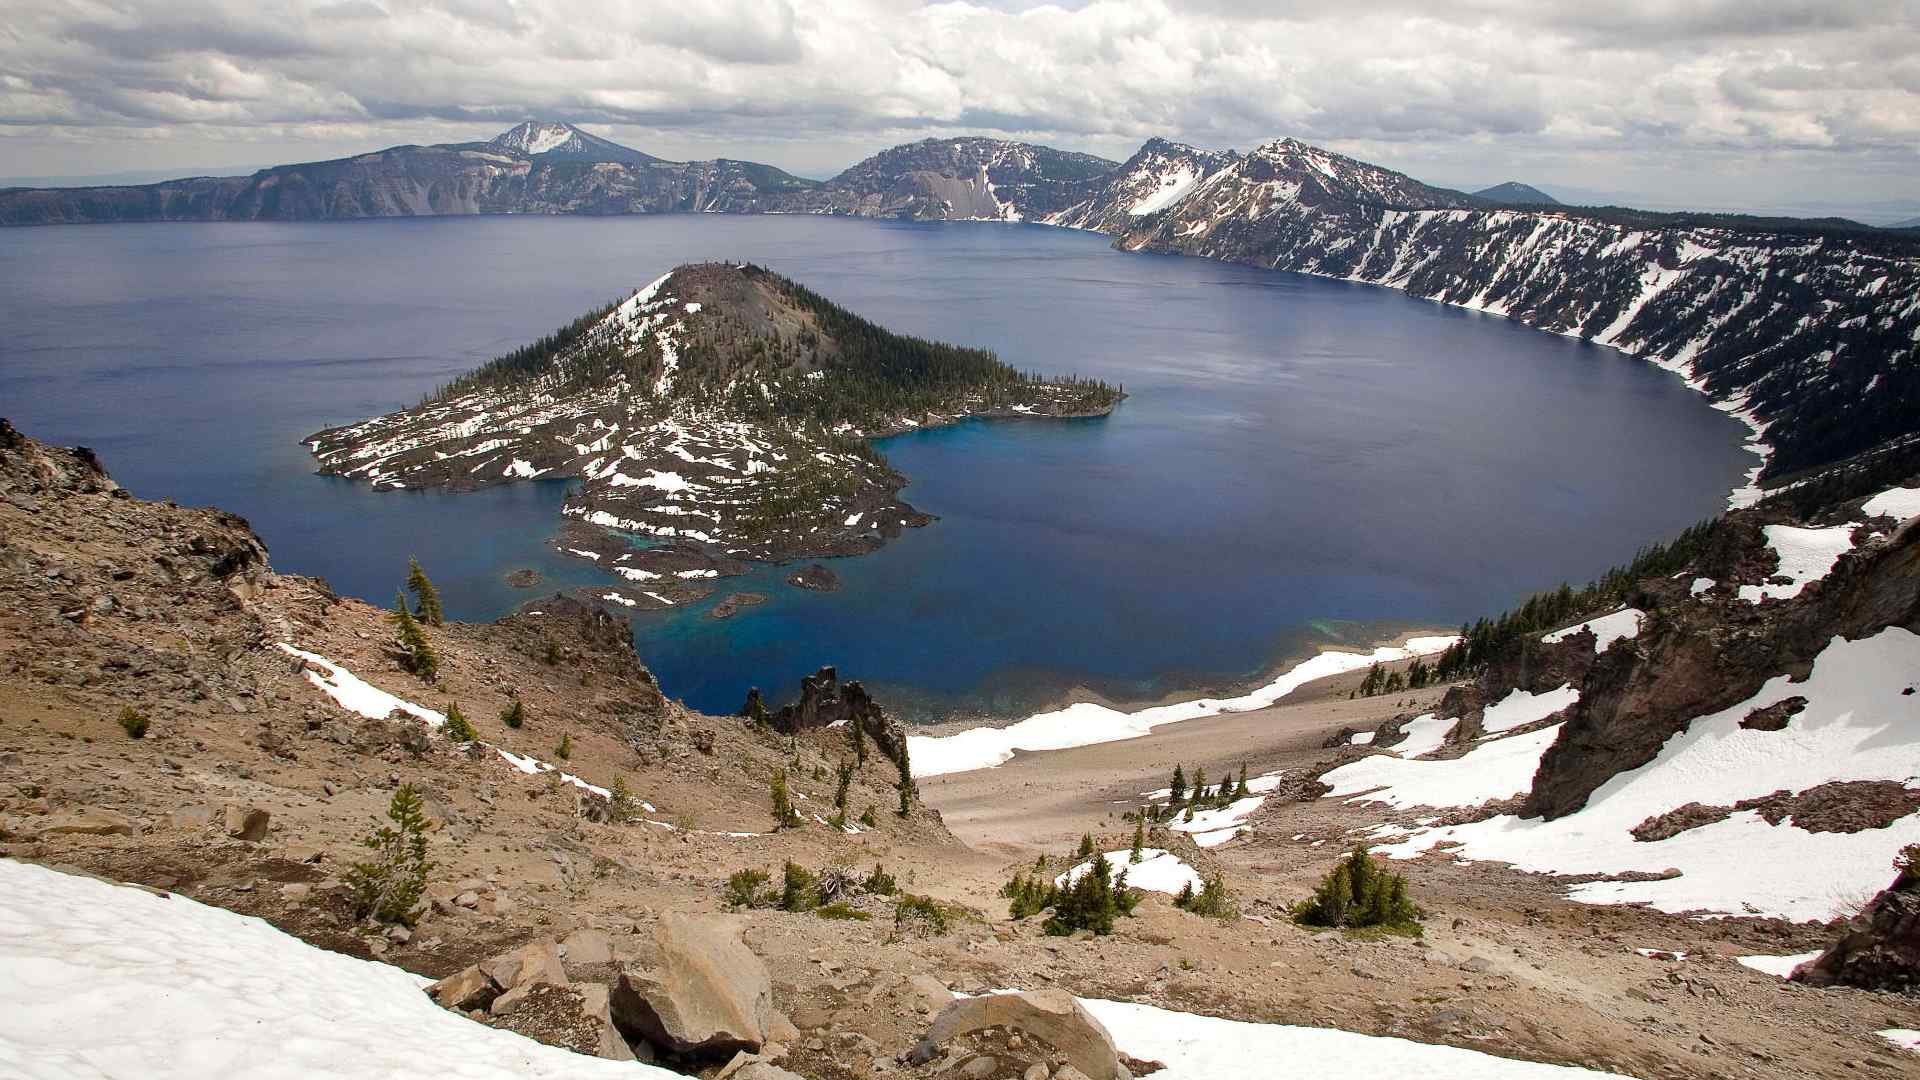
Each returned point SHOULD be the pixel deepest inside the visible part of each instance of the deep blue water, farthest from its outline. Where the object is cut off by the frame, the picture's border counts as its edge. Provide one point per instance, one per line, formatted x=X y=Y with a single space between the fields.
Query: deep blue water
x=1300 y=459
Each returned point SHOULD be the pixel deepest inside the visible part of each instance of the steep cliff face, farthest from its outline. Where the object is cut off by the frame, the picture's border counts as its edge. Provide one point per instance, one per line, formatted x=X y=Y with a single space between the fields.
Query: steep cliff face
x=1812 y=335
x=1701 y=652
x=961 y=179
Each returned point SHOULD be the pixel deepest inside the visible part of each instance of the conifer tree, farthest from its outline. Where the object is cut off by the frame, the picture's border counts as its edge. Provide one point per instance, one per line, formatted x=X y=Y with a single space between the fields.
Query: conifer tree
x=620 y=801
x=1139 y=836
x=420 y=658
x=840 y=796
x=427 y=597
x=755 y=709
x=457 y=728
x=514 y=714
x=1086 y=846
x=1179 y=786
x=1199 y=786
x=784 y=816
x=1241 y=791
x=388 y=885
x=858 y=734
x=565 y=749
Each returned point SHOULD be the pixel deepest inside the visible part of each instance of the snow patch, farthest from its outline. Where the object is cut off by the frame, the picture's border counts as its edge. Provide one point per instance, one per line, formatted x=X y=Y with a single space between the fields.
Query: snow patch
x=350 y=692
x=112 y=981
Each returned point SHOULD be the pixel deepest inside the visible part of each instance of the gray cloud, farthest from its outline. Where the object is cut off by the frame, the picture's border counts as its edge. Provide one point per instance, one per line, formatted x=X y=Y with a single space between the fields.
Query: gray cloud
x=1655 y=93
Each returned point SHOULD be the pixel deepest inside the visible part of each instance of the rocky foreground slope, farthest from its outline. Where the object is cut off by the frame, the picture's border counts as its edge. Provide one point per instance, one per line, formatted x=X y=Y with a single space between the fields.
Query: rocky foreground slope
x=723 y=409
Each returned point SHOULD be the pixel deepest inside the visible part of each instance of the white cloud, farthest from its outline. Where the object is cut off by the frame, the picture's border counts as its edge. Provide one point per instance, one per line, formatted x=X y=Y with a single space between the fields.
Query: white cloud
x=1676 y=96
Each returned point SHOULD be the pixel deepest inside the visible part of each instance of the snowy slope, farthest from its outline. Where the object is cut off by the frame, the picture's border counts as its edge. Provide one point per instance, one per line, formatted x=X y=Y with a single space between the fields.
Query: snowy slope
x=113 y=981
x=1086 y=724
x=1197 y=1047
x=1858 y=724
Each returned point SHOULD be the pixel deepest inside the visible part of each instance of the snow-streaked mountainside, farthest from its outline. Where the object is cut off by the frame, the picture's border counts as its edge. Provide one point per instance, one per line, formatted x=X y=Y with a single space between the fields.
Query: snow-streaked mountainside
x=1812 y=338
x=721 y=405
x=1652 y=750
x=554 y=142
x=961 y=179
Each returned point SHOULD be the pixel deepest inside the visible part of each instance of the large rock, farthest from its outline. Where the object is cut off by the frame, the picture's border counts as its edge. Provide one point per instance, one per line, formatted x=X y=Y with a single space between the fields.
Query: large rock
x=709 y=996
x=1880 y=950
x=249 y=823
x=1051 y=1015
x=82 y=823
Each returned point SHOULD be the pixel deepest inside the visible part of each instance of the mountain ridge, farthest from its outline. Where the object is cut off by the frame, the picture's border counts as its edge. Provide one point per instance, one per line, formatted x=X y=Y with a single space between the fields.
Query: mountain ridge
x=1797 y=326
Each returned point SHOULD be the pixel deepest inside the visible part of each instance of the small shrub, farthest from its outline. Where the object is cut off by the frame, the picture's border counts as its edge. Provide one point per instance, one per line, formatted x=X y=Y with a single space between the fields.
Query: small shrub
x=1211 y=900
x=748 y=888
x=552 y=655
x=1086 y=846
x=565 y=749
x=133 y=722
x=869 y=818
x=799 y=889
x=1029 y=895
x=1357 y=894
x=879 y=883
x=622 y=806
x=922 y=913
x=388 y=885
x=457 y=728
x=784 y=815
x=1087 y=903
x=514 y=715
x=841 y=910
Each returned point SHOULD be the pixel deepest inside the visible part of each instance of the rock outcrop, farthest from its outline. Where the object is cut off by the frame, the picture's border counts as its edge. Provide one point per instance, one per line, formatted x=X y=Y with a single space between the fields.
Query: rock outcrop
x=1051 y=1015
x=708 y=996
x=1880 y=949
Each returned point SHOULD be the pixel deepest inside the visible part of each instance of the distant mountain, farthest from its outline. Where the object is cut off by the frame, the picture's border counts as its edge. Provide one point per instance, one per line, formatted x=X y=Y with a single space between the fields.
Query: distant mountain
x=967 y=178
x=533 y=168
x=1910 y=223
x=1515 y=193
x=564 y=142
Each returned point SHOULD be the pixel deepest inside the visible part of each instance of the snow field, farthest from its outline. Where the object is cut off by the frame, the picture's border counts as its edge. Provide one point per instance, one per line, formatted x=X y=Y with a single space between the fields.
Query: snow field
x=1158 y=870
x=1607 y=629
x=1806 y=555
x=1086 y=724
x=1857 y=725
x=113 y=981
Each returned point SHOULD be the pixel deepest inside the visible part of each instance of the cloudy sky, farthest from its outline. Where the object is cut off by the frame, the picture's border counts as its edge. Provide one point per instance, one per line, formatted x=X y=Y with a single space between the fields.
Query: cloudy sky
x=1798 y=104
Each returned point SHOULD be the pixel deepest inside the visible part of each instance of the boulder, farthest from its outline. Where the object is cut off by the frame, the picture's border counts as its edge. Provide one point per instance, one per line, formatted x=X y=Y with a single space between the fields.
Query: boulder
x=247 y=823
x=1879 y=949
x=84 y=823
x=583 y=948
x=534 y=962
x=708 y=997
x=463 y=990
x=1052 y=1015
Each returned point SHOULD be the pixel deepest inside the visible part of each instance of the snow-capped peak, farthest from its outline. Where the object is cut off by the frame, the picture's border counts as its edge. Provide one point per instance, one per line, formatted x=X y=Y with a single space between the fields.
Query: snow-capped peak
x=537 y=136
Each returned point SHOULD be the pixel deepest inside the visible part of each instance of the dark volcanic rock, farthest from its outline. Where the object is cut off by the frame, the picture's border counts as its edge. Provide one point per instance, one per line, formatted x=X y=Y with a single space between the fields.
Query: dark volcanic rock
x=1880 y=950
x=814 y=577
x=826 y=701
x=731 y=605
